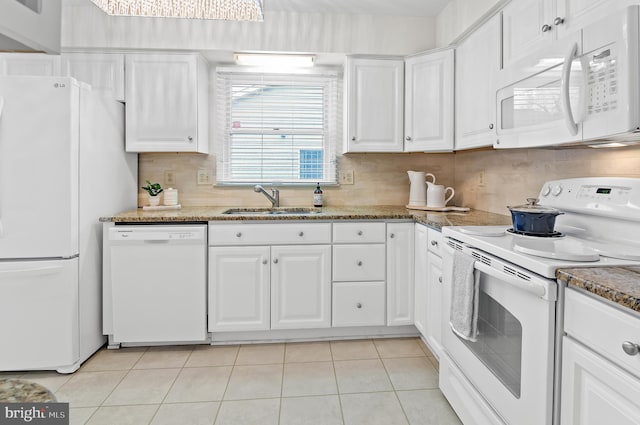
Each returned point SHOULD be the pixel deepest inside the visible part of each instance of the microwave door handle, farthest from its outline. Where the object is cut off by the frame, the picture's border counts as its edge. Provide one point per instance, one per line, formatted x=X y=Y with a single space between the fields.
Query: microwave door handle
x=565 y=86
x=533 y=288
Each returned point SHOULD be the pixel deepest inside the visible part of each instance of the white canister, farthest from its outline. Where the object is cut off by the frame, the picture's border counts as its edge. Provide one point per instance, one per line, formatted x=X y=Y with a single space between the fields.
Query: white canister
x=171 y=196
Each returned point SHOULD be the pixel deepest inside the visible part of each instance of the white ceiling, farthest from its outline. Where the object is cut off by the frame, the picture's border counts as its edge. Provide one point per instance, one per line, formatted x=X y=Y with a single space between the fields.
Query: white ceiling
x=360 y=7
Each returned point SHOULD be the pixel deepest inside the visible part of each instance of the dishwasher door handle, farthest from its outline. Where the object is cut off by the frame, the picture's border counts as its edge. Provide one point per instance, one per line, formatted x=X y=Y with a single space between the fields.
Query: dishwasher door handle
x=157 y=241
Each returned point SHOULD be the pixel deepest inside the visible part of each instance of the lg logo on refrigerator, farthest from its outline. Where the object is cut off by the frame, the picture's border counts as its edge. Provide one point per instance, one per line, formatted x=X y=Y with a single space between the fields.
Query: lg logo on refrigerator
x=59 y=85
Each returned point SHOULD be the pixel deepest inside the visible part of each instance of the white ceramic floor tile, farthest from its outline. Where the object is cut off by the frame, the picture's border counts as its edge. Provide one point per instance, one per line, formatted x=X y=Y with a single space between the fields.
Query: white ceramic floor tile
x=256 y=381
x=372 y=409
x=199 y=384
x=307 y=352
x=259 y=354
x=361 y=376
x=427 y=407
x=305 y=379
x=143 y=387
x=353 y=350
x=121 y=359
x=50 y=380
x=164 y=357
x=434 y=362
x=425 y=349
x=186 y=414
x=321 y=410
x=89 y=389
x=123 y=415
x=249 y=412
x=207 y=355
x=405 y=347
x=411 y=373
x=80 y=415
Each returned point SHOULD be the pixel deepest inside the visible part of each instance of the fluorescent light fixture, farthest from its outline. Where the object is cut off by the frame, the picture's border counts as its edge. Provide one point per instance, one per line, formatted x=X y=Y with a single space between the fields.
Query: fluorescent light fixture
x=233 y=10
x=274 y=60
x=609 y=145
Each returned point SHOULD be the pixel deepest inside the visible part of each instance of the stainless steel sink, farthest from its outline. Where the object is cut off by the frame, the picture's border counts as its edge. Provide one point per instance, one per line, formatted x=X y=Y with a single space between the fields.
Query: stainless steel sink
x=271 y=211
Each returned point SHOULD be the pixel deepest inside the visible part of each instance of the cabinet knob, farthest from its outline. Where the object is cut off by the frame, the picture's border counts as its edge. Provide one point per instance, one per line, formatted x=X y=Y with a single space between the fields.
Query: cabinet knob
x=546 y=28
x=264 y=261
x=301 y=234
x=353 y=139
x=359 y=263
x=434 y=243
x=275 y=261
x=190 y=139
x=558 y=21
x=491 y=126
x=359 y=305
x=408 y=138
x=440 y=279
x=238 y=234
x=392 y=235
x=359 y=232
x=630 y=348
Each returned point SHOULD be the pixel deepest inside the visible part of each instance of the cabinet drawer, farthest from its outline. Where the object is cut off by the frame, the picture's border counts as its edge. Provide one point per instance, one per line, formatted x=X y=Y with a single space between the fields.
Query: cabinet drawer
x=603 y=328
x=358 y=304
x=358 y=262
x=269 y=234
x=359 y=232
x=435 y=241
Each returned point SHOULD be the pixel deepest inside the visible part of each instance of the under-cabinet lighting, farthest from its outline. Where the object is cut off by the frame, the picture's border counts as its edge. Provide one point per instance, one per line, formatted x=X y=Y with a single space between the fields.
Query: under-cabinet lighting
x=609 y=145
x=274 y=60
x=233 y=10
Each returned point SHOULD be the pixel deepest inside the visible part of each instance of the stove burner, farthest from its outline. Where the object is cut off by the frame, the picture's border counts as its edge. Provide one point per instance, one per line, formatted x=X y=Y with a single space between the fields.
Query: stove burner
x=536 y=235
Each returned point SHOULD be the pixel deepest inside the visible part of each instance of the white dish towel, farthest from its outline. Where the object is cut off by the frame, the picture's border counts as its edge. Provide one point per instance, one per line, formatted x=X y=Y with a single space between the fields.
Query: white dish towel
x=465 y=288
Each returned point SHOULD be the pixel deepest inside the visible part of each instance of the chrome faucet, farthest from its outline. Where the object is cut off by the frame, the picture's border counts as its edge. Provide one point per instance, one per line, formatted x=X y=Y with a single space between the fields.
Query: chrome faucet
x=275 y=199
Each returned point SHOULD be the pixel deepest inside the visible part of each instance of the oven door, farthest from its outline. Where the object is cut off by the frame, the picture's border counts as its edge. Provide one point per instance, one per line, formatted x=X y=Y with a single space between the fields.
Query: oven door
x=511 y=363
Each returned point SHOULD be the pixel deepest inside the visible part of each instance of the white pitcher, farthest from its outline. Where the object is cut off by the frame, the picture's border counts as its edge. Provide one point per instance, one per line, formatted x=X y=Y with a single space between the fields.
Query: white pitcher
x=436 y=195
x=418 y=188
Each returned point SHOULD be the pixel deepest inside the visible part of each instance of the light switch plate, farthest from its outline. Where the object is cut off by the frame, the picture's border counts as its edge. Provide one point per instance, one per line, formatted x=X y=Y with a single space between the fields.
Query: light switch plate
x=170 y=178
x=204 y=176
x=345 y=177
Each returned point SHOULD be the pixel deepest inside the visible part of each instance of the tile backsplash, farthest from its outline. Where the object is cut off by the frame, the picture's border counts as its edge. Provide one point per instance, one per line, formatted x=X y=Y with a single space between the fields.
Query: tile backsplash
x=488 y=179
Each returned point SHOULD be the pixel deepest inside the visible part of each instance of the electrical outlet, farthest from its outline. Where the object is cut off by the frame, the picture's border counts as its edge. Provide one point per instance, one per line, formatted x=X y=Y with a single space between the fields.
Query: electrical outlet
x=170 y=178
x=482 y=178
x=204 y=176
x=345 y=177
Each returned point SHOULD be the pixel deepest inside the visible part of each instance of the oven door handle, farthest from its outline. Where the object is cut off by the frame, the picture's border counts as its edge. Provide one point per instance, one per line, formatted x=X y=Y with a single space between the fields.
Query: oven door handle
x=533 y=288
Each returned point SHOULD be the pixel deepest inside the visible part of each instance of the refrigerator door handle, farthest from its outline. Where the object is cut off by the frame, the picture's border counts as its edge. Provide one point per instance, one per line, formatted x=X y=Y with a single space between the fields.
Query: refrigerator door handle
x=1 y=228
x=1 y=105
x=36 y=271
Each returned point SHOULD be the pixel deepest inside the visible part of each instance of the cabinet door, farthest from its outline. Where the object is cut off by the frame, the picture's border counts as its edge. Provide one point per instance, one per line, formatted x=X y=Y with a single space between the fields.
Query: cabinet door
x=477 y=66
x=527 y=25
x=239 y=288
x=595 y=391
x=428 y=110
x=375 y=97
x=38 y=64
x=300 y=287
x=163 y=105
x=435 y=312
x=103 y=71
x=400 y=293
x=420 y=279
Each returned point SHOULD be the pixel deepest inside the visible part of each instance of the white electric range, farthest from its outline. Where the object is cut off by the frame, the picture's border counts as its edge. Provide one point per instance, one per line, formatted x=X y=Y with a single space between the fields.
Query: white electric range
x=507 y=376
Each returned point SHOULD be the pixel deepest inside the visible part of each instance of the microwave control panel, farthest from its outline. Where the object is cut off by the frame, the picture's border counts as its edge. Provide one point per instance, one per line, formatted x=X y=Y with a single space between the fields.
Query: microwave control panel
x=602 y=84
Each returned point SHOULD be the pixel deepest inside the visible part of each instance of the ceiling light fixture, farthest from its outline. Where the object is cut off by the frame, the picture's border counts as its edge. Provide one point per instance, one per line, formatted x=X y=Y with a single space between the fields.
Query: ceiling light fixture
x=274 y=60
x=233 y=10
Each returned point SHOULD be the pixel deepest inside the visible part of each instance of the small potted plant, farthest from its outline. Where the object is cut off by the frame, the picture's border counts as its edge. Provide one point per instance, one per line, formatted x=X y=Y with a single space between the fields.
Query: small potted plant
x=153 y=189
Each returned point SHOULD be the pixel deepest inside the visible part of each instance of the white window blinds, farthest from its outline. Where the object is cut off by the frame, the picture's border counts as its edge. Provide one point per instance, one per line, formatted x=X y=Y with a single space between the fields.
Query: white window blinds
x=276 y=128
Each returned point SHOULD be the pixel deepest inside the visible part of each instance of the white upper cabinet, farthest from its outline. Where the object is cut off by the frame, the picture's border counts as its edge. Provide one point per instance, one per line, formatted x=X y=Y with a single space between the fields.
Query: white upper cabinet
x=38 y=64
x=103 y=71
x=30 y=25
x=477 y=65
x=167 y=103
x=428 y=111
x=571 y=15
x=374 y=104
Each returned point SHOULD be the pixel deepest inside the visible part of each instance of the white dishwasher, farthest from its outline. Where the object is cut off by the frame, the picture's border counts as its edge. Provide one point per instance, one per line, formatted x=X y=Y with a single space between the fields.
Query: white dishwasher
x=155 y=284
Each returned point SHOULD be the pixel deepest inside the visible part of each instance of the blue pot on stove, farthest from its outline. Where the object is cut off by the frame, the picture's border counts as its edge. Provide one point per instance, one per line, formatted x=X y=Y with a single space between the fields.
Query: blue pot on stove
x=533 y=218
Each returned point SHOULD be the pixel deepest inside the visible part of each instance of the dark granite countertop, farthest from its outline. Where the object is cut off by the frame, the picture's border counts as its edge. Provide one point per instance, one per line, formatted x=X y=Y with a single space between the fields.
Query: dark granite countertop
x=620 y=285
x=215 y=213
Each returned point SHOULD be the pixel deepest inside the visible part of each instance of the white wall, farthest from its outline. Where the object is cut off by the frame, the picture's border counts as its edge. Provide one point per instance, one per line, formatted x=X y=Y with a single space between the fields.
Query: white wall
x=459 y=15
x=84 y=26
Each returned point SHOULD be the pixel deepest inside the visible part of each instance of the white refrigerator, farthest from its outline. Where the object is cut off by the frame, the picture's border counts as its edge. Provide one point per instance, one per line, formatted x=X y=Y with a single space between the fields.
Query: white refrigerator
x=62 y=167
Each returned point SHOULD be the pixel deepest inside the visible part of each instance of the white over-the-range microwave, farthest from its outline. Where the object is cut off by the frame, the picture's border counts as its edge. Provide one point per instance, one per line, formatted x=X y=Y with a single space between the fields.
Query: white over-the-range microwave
x=583 y=89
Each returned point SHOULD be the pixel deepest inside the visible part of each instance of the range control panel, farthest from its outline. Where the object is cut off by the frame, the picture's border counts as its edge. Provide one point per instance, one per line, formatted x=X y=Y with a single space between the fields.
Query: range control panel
x=606 y=196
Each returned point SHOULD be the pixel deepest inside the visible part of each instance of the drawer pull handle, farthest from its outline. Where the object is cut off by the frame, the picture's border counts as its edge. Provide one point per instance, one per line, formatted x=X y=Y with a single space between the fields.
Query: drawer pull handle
x=434 y=243
x=359 y=263
x=440 y=279
x=558 y=21
x=264 y=261
x=359 y=232
x=546 y=28
x=392 y=235
x=238 y=234
x=275 y=261
x=301 y=234
x=630 y=348
x=359 y=305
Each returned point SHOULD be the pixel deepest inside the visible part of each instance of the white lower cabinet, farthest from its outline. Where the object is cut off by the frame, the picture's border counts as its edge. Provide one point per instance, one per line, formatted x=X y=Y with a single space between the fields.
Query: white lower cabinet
x=358 y=304
x=400 y=246
x=420 y=279
x=435 y=313
x=300 y=287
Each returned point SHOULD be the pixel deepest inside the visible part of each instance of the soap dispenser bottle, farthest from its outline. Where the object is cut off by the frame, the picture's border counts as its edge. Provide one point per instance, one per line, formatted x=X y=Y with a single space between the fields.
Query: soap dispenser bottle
x=317 y=196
